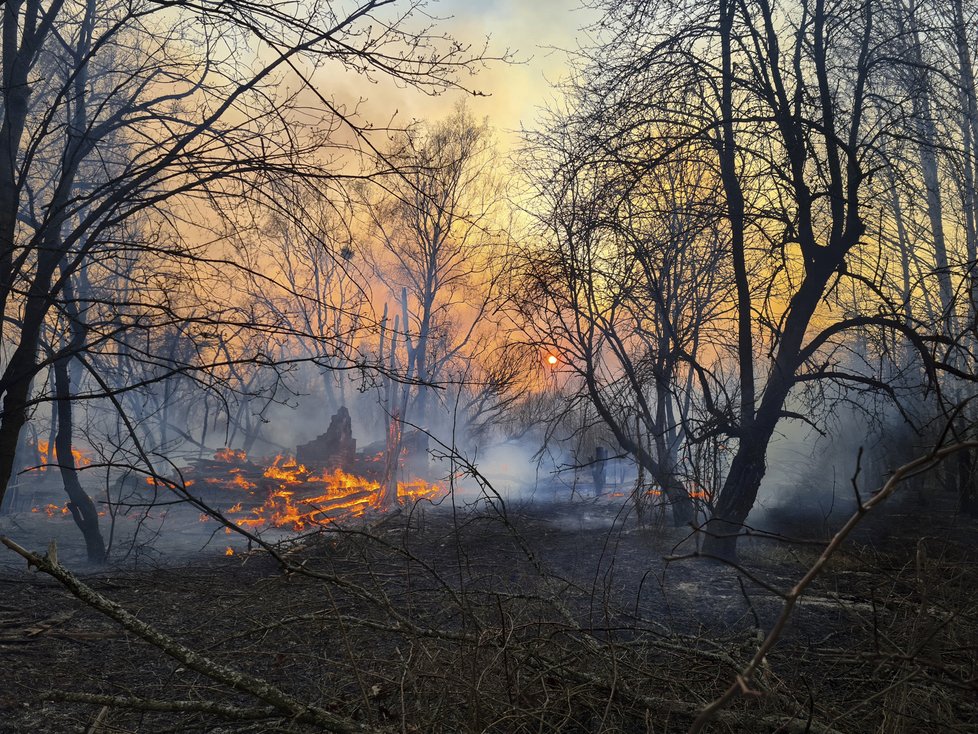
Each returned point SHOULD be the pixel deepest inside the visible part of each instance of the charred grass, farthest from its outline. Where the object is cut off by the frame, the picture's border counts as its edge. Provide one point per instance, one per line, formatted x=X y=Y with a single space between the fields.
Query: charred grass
x=552 y=617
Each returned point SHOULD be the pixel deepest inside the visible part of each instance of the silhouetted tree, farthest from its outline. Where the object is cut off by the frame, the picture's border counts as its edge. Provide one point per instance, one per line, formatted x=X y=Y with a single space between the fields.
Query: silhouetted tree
x=166 y=130
x=795 y=106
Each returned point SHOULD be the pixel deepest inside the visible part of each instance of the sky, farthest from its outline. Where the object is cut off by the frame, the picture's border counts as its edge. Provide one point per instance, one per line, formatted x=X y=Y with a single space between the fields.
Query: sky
x=537 y=32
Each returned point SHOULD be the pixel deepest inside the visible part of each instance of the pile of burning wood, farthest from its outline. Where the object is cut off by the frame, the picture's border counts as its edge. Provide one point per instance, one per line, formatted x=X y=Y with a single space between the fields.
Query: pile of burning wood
x=287 y=494
x=327 y=481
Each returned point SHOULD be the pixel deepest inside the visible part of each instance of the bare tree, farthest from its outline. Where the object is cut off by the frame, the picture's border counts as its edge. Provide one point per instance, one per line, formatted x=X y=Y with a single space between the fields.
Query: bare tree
x=436 y=230
x=793 y=104
x=624 y=283
x=164 y=130
x=322 y=302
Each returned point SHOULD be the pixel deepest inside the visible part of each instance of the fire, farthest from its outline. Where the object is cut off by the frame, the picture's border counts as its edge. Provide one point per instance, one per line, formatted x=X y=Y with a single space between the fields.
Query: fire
x=418 y=489
x=288 y=495
x=285 y=469
x=231 y=456
x=229 y=551
x=51 y=509
x=326 y=497
x=44 y=448
x=240 y=481
x=696 y=494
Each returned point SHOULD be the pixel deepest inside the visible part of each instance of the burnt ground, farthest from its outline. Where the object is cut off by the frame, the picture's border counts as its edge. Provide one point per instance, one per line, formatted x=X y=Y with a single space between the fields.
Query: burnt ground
x=547 y=616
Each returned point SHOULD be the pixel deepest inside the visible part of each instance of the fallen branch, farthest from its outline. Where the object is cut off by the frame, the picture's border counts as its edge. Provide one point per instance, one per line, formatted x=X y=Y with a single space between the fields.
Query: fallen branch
x=238 y=680
x=147 y=704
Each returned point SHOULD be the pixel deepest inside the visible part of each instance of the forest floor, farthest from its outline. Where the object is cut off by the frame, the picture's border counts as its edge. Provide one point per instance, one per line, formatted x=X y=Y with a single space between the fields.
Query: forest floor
x=541 y=616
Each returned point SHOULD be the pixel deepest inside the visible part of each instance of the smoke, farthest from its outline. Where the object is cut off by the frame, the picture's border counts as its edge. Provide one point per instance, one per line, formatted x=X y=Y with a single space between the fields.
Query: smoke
x=516 y=471
x=808 y=487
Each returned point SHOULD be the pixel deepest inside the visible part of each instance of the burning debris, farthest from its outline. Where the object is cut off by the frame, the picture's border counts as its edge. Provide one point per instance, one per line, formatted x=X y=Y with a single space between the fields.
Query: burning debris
x=327 y=481
x=289 y=495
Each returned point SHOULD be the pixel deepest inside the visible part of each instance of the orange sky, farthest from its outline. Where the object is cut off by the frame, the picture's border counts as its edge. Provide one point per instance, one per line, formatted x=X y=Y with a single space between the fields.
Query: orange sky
x=536 y=32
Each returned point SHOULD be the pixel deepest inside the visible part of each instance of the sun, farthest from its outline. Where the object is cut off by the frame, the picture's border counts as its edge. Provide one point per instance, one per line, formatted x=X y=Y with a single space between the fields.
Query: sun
x=551 y=360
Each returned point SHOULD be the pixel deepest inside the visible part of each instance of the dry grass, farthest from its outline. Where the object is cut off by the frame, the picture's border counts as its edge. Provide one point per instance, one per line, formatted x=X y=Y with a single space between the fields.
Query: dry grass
x=523 y=622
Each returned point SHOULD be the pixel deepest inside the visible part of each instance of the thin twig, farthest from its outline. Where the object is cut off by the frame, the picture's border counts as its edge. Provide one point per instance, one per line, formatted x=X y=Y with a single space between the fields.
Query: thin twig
x=743 y=679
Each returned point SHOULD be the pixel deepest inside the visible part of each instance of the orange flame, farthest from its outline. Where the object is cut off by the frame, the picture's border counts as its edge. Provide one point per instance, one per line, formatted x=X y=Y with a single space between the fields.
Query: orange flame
x=231 y=456
x=696 y=494
x=303 y=500
x=51 y=509
x=285 y=469
x=240 y=481
x=285 y=494
x=47 y=456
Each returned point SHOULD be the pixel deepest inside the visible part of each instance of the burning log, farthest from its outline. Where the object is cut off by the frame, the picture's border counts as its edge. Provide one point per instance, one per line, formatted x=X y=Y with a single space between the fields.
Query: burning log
x=286 y=493
x=327 y=481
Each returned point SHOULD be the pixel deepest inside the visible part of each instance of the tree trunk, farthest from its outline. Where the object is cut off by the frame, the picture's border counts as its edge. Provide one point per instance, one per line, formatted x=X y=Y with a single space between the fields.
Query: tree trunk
x=677 y=497
x=17 y=380
x=82 y=508
x=927 y=143
x=970 y=132
x=908 y=355
x=23 y=36
x=22 y=367
x=737 y=495
x=387 y=499
x=748 y=466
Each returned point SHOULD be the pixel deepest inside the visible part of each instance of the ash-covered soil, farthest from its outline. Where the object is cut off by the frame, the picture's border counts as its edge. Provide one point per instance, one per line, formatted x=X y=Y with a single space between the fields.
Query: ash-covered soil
x=549 y=616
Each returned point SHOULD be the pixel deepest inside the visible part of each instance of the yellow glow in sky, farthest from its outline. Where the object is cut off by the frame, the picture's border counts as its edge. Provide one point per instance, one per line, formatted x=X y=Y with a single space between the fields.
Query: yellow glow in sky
x=537 y=34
